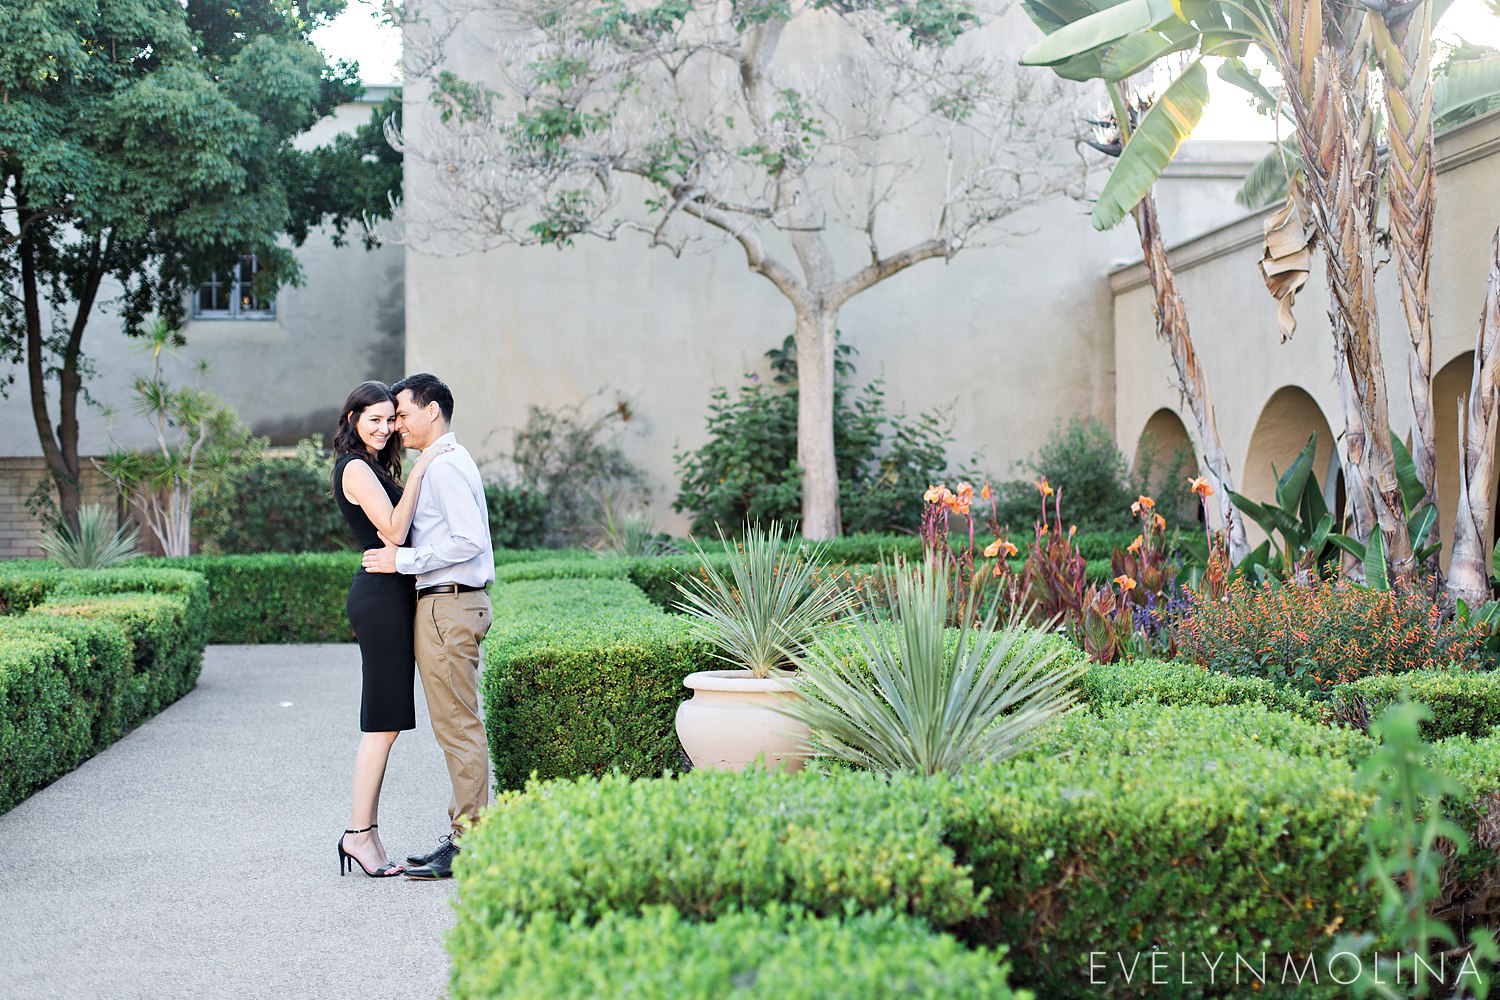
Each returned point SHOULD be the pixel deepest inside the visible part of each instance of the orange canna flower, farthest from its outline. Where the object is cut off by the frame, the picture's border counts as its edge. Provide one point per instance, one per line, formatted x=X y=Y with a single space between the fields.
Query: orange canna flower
x=1142 y=503
x=1161 y=523
x=1073 y=531
x=1200 y=486
x=984 y=494
x=960 y=506
x=934 y=493
x=1045 y=489
x=1039 y=534
x=1010 y=550
x=965 y=489
x=993 y=549
x=1125 y=582
x=1135 y=546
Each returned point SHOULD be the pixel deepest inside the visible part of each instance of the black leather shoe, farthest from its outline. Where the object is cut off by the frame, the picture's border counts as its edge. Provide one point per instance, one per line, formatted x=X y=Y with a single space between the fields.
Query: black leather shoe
x=440 y=867
x=430 y=856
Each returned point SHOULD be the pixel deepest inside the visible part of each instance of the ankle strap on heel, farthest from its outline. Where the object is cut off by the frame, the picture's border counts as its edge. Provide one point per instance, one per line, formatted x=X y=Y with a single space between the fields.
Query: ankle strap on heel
x=365 y=830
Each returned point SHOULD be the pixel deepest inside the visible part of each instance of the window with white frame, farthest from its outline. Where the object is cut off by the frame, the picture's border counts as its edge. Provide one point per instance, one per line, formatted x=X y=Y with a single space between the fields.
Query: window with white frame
x=231 y=294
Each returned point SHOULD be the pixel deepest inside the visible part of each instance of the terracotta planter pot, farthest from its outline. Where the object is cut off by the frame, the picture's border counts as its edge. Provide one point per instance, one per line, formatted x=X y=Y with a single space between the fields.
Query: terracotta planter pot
x=729 y=722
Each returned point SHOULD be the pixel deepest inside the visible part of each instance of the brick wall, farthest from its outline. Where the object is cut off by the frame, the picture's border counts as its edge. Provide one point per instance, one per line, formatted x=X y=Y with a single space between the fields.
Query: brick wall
x=19 y=531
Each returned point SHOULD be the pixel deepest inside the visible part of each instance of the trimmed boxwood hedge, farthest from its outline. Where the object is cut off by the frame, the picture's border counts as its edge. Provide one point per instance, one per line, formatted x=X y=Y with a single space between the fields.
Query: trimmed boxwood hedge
x=275 y=597
x=584 y=676
x=1178 y=682
x=85 y=657
x=780 y=954
x=1463 y=702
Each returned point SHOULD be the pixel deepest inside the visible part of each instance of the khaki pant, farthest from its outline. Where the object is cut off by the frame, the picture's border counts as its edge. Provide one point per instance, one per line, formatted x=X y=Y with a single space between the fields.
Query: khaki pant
x=448 y=632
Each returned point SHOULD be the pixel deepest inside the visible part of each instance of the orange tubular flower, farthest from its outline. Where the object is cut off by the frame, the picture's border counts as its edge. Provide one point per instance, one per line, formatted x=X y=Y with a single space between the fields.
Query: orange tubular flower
x=1043 y=487
x=993 y=549
x=1010 y=550
x=1161 y=522
x=1135 y=546
x=1043 y=531
x=1125 y=582
x=984 y=494
x=1200 y=486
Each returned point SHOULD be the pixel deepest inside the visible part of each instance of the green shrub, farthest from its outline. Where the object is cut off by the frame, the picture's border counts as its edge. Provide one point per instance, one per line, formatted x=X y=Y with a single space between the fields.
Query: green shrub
x=165 y=663
x=1474 y=763
x=276 y=503
x=1253 y=851
x=1159 y=732
x=747 y=471
x=1082 y=460
x=582 y=677
x=1178 y=682
x=592 y=568
x=712 y=842
x=44 y=732
x=1463 y=702
x=517 y=513
x=93 y=654
x=781 y=954
x=275 y=597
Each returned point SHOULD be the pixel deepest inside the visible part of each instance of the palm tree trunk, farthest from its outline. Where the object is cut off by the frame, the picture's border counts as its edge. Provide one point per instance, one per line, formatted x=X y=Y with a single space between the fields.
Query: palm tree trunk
x=1172 y=327
x=1468 y=571
x=1405 y=51
x=1332 y=156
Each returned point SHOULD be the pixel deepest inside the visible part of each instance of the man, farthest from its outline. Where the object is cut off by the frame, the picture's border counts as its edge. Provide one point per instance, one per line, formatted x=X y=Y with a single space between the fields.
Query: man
x=449 y=553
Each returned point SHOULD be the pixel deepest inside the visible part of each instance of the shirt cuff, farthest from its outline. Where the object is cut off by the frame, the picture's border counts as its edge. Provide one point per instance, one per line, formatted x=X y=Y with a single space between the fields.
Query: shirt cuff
x=406 y=560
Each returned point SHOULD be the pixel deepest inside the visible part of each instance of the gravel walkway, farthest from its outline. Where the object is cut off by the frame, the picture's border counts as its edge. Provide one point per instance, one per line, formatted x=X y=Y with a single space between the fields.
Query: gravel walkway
x=195 y=858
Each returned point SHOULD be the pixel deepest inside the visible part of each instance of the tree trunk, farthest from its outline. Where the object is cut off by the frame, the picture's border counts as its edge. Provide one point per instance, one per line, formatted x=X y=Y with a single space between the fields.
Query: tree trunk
x=1405 y=49
x=1172 y=328
x=62 y=462
x=1330 y=154
x=1468 y=570
x=815 y=372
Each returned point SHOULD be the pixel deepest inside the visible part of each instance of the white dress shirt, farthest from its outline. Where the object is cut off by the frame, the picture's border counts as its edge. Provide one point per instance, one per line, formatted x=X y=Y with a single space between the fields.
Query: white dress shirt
x=450 y=529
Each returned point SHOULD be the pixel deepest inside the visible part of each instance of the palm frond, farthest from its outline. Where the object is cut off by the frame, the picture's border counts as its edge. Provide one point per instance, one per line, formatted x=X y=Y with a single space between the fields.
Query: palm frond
x=95 y=545
x=769 y=607
x=907 y=702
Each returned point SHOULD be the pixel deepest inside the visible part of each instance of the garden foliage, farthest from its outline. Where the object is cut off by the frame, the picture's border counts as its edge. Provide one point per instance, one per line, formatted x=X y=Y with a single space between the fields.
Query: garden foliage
x=275 y=503
x=84 y=658
x=1313 y=637
x=747 y=471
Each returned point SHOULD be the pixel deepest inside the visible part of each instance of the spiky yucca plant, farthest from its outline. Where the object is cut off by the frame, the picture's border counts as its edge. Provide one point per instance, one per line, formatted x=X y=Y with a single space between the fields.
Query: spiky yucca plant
x=94 y=546
x=908 y=703
x=771 y=604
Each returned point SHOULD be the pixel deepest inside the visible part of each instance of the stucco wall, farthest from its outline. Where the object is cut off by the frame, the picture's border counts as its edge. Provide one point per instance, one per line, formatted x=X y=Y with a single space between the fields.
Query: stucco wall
x=1234 y=326
x=1011 y=340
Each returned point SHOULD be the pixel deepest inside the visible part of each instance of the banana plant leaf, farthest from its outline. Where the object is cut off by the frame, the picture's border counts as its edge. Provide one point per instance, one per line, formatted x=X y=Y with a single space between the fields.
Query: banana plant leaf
x=1291 y=484
x=1235 y=71
x=1265 y=184
x=1098 y=30
x=1412 y=490
x=1136 y=52
x=1463 y=83
x=1377 y=573
x=1152 y=145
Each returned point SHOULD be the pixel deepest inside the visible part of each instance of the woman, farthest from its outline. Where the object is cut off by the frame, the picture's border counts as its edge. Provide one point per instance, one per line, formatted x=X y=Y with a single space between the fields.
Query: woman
x=381 y=606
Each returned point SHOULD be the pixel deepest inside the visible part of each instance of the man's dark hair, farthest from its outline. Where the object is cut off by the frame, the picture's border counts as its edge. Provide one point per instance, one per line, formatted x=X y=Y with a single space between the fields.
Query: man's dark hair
x=424 y=389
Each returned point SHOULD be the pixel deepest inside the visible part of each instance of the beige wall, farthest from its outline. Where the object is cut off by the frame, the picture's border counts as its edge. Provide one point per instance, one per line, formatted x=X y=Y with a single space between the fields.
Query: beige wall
x=1234 y=328
x=1010 y=340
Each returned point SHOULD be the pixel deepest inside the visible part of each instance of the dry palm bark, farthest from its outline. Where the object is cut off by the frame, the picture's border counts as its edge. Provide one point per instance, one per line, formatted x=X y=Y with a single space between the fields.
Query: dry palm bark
x=1468 y=571
x=1337 y=159
x=1172 y=327
x=1403 y=42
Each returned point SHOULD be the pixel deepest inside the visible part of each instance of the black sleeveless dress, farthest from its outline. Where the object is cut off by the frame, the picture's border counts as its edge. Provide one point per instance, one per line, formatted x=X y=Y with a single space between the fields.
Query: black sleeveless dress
x=382 y=608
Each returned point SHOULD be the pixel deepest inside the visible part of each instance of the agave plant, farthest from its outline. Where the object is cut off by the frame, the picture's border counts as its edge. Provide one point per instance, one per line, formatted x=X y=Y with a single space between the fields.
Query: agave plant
x=769 y=607
x=94 y=545
x=633 y=535
x=912 y=700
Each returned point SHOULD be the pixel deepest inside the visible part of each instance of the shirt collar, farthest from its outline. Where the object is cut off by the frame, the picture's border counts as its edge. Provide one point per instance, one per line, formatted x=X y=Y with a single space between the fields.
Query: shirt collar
x=448 y=438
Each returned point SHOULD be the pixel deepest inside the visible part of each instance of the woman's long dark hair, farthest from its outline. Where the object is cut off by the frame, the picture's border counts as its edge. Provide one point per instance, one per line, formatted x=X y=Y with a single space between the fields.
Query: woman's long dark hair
x=347 y=440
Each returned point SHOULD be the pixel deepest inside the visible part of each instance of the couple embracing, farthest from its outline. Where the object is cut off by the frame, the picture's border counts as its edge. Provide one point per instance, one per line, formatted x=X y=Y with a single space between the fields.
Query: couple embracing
x=418 y=603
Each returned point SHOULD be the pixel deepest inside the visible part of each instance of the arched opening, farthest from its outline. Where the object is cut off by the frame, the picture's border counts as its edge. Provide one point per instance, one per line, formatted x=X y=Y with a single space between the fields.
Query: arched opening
x=1164 y=460
x=1289 y=417
x=1450 y=387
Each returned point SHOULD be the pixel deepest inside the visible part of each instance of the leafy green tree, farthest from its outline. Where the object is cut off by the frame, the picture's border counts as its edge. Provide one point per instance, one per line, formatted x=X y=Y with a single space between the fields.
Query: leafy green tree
x=146 y=143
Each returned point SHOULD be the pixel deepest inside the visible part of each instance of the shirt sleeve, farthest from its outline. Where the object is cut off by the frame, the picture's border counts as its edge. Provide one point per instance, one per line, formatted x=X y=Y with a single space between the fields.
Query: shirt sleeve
x=466 y=526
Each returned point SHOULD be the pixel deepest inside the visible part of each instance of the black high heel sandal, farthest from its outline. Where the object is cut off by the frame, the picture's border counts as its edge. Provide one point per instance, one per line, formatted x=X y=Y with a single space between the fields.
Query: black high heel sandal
x=347 y=861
